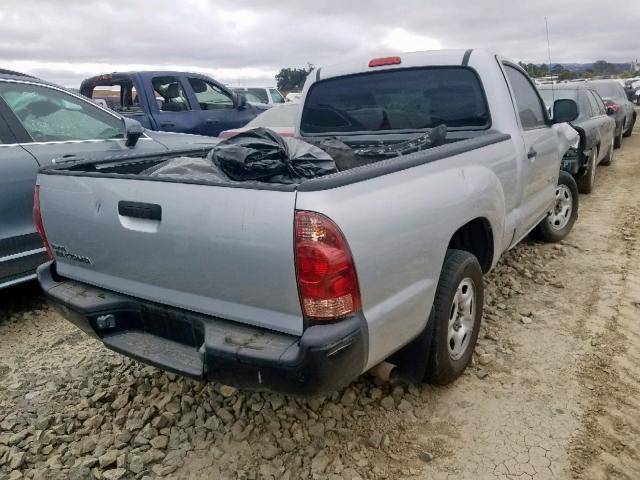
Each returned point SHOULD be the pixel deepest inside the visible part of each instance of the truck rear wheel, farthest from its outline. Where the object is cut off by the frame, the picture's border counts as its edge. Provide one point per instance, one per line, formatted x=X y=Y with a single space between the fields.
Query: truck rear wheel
x=456 y=316
x=564 y=212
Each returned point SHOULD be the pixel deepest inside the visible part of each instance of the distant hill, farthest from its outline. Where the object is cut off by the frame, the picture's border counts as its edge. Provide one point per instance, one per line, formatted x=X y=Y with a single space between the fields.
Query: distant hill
x=581 y=67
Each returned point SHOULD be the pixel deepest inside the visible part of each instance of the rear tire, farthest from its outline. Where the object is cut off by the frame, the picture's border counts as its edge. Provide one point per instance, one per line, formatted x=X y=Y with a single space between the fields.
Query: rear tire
x=557 y=225
x=456 y=316
x=609 y=158
x=586 y=181
x=630 y=129
x=617 y=141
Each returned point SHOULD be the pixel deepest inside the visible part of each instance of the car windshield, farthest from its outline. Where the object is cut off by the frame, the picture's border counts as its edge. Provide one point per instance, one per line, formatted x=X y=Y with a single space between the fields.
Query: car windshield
x=49 y=115
x=607 y=89
x=549 y=95
x=259 y=93
x=279 y=116
x=276 y=96
x=408 y=99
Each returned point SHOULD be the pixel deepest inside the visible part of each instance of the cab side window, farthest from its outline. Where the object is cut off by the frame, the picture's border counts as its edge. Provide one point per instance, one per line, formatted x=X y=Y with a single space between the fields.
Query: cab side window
x=170 y=95
x=276 y=96
x=585 y=105
x=528 y=103
x=210 y=97
x=50 y=115
x=598 y=106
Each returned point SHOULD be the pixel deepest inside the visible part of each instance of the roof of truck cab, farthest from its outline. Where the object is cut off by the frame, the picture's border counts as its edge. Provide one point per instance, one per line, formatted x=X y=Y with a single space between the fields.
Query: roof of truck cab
x=408 y=60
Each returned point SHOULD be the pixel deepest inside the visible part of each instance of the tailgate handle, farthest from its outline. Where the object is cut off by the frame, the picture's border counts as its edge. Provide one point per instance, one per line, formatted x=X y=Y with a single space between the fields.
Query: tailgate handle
x=148 y=211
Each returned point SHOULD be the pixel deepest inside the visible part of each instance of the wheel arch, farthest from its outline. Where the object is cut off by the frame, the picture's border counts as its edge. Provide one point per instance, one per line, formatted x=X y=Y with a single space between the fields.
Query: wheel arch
x=476 y=237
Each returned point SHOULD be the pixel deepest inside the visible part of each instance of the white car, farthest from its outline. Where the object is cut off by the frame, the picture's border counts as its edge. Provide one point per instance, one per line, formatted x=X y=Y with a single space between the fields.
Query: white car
x=261 y=95
x=281 y=119
x=294 y=96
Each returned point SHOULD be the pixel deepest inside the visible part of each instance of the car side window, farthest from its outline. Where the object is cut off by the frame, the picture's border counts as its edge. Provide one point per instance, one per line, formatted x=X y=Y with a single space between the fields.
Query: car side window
x=259 y=94
x=276 y=96
x=210 y=96
x=50 y=115
x=599 y=102
x=170 y=95
x=594 y=104
x=585 y=105
x=527 y=100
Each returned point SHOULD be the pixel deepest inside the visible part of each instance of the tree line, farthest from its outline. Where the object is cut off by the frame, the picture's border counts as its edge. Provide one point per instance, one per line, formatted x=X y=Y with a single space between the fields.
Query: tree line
x=292 y=79
x=598 y=68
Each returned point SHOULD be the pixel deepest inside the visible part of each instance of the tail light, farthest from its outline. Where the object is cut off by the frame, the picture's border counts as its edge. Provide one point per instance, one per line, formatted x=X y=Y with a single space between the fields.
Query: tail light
x=37 y=219
x=614 y=106
x=327 y=279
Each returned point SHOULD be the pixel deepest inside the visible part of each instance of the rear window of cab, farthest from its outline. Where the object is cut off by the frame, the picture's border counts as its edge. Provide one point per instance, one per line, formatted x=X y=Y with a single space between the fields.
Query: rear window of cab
x=397 y=100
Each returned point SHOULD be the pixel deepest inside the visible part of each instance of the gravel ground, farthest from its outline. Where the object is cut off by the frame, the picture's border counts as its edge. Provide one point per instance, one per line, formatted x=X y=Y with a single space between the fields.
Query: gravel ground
x=552 y=392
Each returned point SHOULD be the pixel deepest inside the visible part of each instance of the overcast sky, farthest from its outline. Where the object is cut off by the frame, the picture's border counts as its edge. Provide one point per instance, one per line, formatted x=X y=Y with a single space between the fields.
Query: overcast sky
x=246 y=42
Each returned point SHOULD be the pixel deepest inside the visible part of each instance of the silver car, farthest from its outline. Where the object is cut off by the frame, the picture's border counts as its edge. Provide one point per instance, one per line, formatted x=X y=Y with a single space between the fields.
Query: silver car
x=40 y=122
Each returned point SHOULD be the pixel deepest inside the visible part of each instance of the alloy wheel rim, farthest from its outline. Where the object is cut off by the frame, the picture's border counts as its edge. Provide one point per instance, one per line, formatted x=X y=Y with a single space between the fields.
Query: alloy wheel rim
x=561 y=212
x=461 y=318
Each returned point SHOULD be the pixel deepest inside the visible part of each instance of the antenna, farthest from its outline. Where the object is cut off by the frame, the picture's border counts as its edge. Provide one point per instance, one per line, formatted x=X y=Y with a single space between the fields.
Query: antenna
x=546 y=23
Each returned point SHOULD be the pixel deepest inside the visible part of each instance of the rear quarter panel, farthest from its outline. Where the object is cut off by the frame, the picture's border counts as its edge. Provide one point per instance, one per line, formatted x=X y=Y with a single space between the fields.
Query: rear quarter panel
x=398 y=227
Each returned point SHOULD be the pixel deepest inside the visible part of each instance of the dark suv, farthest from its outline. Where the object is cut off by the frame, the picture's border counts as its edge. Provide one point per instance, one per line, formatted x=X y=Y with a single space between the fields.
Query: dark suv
x=596 y=129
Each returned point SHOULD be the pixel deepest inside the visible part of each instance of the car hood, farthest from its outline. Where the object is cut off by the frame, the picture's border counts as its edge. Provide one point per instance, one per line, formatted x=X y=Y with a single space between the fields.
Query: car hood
x=172 y=140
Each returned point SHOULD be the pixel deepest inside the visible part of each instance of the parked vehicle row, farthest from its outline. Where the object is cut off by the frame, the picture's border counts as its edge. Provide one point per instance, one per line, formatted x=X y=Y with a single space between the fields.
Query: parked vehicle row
x=301 y=287
x=605 y=116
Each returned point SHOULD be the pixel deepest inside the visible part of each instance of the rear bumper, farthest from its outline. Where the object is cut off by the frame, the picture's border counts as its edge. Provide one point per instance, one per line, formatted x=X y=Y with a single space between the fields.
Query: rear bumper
x=322 y=360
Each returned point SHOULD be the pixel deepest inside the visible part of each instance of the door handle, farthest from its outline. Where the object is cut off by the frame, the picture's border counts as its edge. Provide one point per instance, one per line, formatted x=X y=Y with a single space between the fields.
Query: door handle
x=147 y=211
x=212 y=120
x=167 y=124
x=531 y=155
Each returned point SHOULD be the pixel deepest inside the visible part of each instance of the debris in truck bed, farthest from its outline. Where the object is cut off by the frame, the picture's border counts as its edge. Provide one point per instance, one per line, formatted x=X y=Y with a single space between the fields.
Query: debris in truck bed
x=187 y=168
x=347 y=157
x=433 y=138
x=263 y=155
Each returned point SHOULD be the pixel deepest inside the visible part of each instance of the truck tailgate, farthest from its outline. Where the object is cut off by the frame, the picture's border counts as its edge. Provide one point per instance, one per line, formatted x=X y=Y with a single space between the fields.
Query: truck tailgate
x=221 y=251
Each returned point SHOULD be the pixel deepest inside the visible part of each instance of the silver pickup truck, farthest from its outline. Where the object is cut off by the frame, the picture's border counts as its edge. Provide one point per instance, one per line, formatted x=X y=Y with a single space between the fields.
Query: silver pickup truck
x=302 y=287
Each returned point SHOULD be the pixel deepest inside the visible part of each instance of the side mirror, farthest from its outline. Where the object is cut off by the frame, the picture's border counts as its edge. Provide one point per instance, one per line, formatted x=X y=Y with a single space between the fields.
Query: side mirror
x=133 y=130
x=241 y=101
x=564 y=110
x=610 y=111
